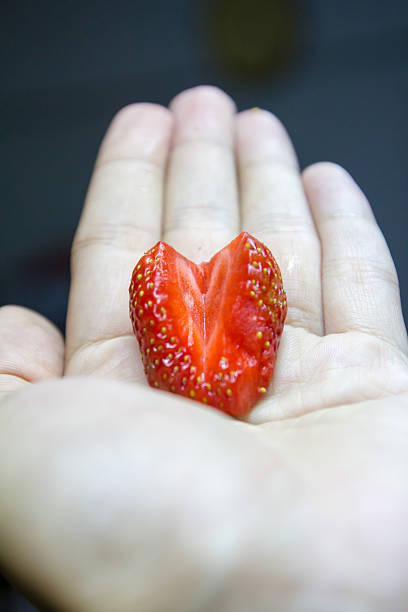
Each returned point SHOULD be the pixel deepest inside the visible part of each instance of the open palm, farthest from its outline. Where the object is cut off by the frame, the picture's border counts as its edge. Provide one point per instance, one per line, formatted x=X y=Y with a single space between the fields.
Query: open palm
x=119 y=497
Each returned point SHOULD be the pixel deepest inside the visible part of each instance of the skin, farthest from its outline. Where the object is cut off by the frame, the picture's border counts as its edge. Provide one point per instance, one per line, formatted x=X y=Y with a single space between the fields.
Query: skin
x=118 y=497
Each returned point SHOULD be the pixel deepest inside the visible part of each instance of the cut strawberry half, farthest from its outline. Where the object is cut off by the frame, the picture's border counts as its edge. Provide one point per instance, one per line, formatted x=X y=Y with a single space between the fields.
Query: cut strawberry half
x=210 y=331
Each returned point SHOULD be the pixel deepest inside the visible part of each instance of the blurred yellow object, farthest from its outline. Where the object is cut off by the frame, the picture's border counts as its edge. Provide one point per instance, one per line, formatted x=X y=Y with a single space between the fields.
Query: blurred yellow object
x=254 y=36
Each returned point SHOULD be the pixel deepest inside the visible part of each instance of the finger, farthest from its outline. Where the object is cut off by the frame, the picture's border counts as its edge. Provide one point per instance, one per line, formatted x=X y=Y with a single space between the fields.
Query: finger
x=201 y=209
x=31 y=348
x=121 y=219
x=275 y=209
x=360 y=285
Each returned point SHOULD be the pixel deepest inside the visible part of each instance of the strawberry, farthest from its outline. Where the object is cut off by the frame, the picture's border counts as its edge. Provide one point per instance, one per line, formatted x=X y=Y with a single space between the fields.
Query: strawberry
x=210 y=331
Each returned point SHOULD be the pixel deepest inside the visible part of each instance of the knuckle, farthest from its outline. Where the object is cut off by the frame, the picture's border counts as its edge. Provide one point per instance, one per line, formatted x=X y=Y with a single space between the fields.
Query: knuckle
x=209 y=215
x=118 y=236
x=360 y=271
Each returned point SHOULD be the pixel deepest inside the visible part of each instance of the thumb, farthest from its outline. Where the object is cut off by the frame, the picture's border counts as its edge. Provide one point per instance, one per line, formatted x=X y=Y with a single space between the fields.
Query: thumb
x=31 y=348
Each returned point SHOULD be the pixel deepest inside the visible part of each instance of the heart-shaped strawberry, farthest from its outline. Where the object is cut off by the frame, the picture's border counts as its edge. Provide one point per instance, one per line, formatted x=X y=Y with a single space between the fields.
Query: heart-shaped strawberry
x=210 y=331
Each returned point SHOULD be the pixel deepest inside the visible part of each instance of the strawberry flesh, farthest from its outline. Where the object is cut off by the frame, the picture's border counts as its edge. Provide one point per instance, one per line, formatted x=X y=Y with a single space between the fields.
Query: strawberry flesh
x=210 y=331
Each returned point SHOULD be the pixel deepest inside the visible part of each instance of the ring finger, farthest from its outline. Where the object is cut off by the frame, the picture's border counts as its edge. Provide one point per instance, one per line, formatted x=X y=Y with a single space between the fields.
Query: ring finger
x=275 y=209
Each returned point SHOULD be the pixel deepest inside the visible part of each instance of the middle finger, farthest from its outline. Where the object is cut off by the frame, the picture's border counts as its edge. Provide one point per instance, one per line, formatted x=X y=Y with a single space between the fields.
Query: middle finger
x=201 y=212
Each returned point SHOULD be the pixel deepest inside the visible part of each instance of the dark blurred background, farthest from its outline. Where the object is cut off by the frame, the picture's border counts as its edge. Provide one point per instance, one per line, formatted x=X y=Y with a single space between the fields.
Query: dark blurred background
x=335 y=72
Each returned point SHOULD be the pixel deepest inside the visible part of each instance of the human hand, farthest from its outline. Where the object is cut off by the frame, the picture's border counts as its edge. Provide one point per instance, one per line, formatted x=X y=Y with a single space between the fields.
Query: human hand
x=118 y=497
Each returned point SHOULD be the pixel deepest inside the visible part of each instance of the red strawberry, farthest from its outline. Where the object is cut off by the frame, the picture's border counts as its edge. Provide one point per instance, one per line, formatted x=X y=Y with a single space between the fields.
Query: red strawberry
x=209 y=332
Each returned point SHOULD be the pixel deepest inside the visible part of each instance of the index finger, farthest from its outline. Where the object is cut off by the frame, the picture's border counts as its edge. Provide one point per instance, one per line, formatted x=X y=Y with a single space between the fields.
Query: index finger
x=120 y=220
